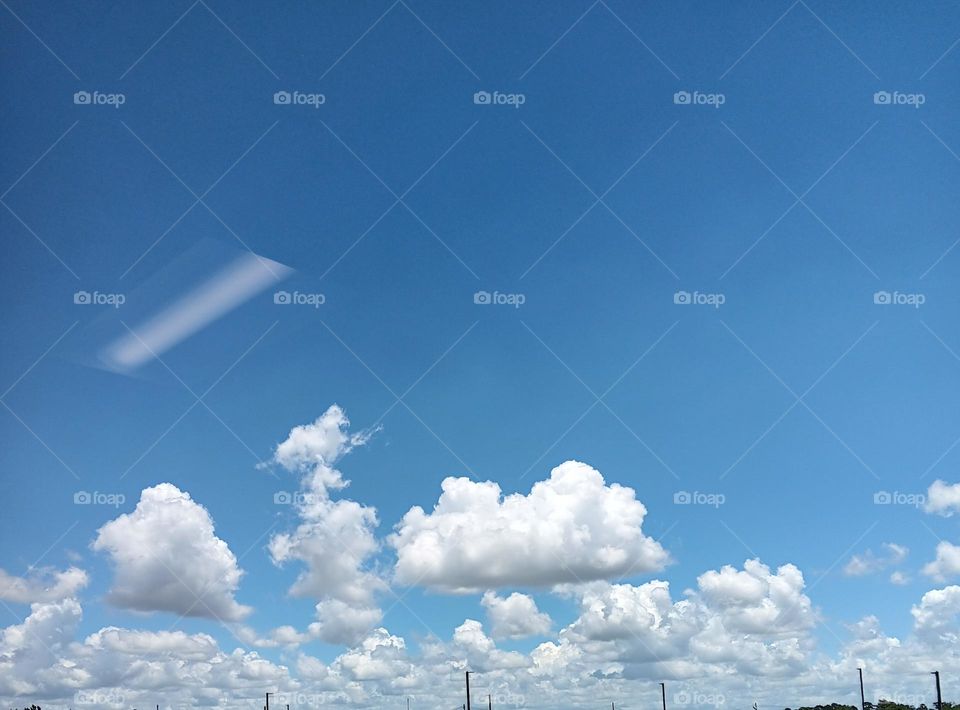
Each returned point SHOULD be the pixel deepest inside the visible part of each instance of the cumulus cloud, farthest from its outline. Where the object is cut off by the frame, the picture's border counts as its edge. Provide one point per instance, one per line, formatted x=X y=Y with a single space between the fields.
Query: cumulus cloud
x=42 y=585
x=515 y=616
x=871 y=563
x=943 y=498
x=29 y=649
x=946 y=564
x=936 y=614
x=166 y=557
x=116 y=667
x=319 y=444
x=572 y=527
x=749 y=621
x=626 y=637
x=335 y=539
x=479 y=650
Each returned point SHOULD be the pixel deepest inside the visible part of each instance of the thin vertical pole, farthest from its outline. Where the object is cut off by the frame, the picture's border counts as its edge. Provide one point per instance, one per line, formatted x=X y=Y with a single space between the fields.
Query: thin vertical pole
x=663 y=695
x=468 y=689
x=863 y=703
x=936 y=674
x=489 y=702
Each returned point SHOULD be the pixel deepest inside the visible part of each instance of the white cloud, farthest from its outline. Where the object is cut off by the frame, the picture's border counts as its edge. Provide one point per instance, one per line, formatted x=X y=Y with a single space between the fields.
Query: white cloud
x=42 y=585
x=943 y=498
x=756 y=601
x=378 y=657
x=166 y=557
x=947 y=563
x=899 y=578
x=626 y=638
x=116 y=667
x=335 y=538
x=936 y=614
x=871 y=563
x=30 y=649
x=479 y=650
x=153 y=643
x=343 y=623
x=321 y=443
x=515 y=616
x=571 y=527
x=749 y=622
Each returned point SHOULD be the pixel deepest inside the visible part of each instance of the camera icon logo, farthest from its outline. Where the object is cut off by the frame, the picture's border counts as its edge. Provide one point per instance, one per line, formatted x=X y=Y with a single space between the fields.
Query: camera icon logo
x=682 y=298
x=281 y=297
x=82 y=498
x=681 y=98
x=281 y=97
x=482 y=298
x=282 y=498
x=482 y=98
x=882 y=498
x=682 y=698
x=881 y=98
x=81 y=97
x=882 y=298
x=681 y=498
x=81 y=298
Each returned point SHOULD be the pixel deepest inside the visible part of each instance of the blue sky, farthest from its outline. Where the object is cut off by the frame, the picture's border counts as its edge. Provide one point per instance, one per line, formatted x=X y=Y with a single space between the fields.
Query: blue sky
x=598 y=200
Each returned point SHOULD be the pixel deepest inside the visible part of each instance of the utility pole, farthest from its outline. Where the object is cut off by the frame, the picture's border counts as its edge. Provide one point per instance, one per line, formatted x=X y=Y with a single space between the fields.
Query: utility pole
x=663 y=695
x=862 y=701
x=468 y=690
x=267 y=706
x=489 y=702
x=936 y=674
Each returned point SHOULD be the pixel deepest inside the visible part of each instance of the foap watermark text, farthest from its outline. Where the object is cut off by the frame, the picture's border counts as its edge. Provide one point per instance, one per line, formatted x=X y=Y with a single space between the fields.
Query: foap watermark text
x=299 y=98
x=296 y=298
x=699 y=98
x=86 y=298
x=497 y=98
x=98 y=98
x=486 y=298
x=898 y=98
x=695 y=298
x=98 y=498
x=898 y=498
x=896 y=298
x=699 y=498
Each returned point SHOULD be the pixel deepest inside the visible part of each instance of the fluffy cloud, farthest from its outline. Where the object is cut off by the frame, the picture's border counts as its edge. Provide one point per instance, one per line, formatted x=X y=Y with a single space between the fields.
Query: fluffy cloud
x=343 y=623
x=947 y=563
x=756 y=601
x=335 y=539
x=515 y=616
x=167 y=558
x=745 y=622
x=121 y=667
x=625 y=638
x=479 y=651
x=936 y=615
x=943 y=498
x=571 y=527
x=321 y=443
x=871 y=563
x=29 y=650
x=42 y=585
